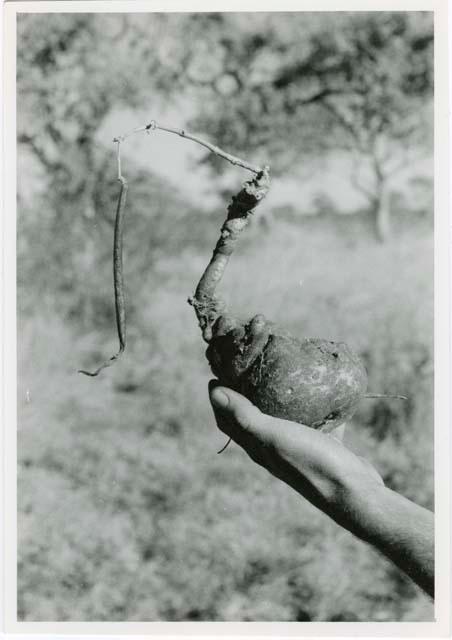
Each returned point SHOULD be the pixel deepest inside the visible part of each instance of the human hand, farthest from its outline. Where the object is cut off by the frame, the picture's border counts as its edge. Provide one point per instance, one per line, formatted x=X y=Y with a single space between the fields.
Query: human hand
x=343 y=485
x=316 y=465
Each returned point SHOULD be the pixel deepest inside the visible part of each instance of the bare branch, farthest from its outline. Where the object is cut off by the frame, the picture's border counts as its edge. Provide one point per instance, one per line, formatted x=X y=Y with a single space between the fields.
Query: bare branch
x=356 y=182
x=24 y=138
x=360 y=187
x=189 y=136
x=347 y=125
x=320 y=95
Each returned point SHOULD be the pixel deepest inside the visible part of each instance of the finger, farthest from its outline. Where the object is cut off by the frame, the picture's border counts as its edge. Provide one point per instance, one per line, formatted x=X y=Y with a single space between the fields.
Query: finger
x=236 y=415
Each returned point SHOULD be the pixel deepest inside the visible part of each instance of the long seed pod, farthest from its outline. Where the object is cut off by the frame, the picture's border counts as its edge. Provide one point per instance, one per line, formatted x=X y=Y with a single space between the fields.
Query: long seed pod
x=118 y=280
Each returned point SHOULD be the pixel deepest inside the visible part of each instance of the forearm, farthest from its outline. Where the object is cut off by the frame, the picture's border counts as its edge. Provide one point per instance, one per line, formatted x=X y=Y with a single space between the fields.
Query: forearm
x=336 y=481
x=401 y=530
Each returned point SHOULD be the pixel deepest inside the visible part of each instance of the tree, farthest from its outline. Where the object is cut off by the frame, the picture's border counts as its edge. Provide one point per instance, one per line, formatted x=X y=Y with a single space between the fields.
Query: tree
x=293 y=85
x=73 y=71
x=282 y=86
x=382 y=119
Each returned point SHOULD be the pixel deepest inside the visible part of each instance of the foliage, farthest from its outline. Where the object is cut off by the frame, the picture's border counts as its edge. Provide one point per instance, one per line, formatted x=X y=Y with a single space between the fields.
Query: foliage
x=52 y=223
x=67 y=84
x=292 y=87
x=364 y=74
x=167 y=530
x=281 y=85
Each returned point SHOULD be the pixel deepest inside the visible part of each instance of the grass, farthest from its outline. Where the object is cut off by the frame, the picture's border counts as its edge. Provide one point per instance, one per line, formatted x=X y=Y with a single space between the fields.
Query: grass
x=125 y=510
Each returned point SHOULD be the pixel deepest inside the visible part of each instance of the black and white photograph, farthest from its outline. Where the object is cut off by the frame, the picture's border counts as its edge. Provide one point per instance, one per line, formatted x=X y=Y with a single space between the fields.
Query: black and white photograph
x=225 y=244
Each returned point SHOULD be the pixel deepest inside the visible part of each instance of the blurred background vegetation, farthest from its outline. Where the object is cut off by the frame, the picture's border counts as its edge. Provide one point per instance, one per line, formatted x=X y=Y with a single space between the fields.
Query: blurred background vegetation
x=125 y=510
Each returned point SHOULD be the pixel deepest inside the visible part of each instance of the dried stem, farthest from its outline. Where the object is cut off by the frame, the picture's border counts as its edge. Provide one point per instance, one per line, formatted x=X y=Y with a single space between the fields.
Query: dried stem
x=189 y=136
x=207 y=307
x=384 y=395
x=225 y=446
x=118 y=159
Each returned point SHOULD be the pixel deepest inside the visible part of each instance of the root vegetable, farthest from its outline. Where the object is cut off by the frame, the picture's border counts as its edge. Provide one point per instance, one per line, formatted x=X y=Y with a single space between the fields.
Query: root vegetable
x=312 y=381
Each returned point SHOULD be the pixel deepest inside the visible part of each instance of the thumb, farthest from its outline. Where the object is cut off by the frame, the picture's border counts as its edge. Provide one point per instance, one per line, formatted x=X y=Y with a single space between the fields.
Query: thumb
x=235 y=415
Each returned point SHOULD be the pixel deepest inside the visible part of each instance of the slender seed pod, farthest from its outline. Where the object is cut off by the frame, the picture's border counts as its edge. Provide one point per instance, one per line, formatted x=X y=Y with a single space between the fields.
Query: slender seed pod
x=118 y=279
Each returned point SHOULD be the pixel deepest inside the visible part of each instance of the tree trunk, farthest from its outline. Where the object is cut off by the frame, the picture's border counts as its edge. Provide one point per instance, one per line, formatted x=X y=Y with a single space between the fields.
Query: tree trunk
x=381 y=208
x=382 y=216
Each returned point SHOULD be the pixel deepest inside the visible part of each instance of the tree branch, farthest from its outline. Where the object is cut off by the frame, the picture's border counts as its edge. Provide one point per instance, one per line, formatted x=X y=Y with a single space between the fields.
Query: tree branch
x=50 y=165
x=347 y=125
x=356 y=182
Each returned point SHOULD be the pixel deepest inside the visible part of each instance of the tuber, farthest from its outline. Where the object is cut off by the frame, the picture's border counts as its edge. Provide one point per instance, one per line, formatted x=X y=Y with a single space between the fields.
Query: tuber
x=312 y=381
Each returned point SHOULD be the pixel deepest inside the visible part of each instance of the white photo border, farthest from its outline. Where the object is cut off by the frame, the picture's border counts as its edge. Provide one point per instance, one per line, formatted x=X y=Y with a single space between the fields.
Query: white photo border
x=441 y=627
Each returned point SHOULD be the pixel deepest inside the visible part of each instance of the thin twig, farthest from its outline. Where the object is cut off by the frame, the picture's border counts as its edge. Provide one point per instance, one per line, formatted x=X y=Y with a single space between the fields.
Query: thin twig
x=384 y=395
x=118 y=158
x=225 y=446
x=189 y=136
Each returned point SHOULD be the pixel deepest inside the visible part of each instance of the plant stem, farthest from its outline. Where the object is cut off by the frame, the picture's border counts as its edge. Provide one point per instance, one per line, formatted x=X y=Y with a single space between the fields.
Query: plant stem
x=189 y=136
x=384 y=395
x=207 y=307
